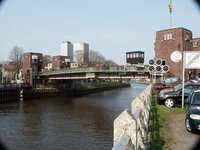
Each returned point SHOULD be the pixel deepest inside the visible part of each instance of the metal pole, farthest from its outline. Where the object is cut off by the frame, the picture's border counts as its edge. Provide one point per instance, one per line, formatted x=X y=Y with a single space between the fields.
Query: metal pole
x=183 y=80
x=170 y=11
x=2 y=75
x=2 y=71
x=171 y=20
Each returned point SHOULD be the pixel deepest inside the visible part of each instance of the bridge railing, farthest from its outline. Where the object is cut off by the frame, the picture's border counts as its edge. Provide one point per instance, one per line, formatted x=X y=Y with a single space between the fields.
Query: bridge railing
x=93 y=69
x=131 y=128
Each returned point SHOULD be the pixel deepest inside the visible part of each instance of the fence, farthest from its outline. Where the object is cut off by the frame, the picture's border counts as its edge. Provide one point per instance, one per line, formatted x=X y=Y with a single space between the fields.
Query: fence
x=131 y=128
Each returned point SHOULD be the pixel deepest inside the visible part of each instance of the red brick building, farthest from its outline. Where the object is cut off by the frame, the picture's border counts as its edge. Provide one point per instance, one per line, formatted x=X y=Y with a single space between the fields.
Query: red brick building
x=60 y=62
x=32 y=65
x=196 y=44
x=176 y=39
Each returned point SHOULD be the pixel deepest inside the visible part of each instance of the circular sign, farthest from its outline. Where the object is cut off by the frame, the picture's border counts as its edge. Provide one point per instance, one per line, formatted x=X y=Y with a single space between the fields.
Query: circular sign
x=158 y=68
x=165 y=68
x=176 y=56
x=158 y=62
x=151 y=68
x=151 y=62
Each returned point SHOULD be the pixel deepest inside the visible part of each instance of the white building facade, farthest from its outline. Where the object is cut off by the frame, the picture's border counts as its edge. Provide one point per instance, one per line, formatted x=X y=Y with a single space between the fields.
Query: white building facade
x=81 y=53
x=67 y=50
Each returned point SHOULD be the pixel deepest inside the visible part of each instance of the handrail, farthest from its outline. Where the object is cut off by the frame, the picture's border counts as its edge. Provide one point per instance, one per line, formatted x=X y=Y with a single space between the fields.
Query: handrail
x=93 y=69
x=133 y=124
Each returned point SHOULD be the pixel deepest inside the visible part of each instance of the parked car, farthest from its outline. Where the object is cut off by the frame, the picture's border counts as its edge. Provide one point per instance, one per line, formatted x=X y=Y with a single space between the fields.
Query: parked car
x=168 y=83
x=168 y=89
x=174 y=97
x=192 y=120
x=171 y=80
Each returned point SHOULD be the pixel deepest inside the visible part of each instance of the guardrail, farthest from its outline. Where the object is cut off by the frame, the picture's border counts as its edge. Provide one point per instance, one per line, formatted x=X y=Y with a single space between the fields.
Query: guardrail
x=95 y=69
x=131 y=128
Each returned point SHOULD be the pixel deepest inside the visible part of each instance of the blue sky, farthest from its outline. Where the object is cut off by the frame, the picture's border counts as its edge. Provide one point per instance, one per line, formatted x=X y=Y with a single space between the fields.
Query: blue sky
x=112 y=27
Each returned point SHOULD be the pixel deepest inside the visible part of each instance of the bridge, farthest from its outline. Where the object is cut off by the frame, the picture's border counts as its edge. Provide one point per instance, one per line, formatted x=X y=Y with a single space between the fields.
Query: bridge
x=116 y=72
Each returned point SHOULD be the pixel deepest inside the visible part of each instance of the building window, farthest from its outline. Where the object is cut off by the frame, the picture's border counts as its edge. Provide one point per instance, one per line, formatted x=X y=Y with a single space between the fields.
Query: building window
x=195 y=44
x=128 y=55
x=165 y=36
x=188 y=36
x=168 y=36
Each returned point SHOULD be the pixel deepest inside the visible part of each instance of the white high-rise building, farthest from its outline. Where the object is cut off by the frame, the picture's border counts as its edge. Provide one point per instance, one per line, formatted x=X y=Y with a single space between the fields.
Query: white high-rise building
x=81 y=53
x=67 y=50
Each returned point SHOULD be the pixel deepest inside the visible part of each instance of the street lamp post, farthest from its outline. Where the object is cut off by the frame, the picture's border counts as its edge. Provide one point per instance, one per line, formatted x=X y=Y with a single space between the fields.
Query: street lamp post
x=2 y=70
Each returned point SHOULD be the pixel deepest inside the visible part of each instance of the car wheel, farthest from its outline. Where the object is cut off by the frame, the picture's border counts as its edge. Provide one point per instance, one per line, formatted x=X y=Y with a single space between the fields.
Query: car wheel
x=187 y=125
x=169 y=102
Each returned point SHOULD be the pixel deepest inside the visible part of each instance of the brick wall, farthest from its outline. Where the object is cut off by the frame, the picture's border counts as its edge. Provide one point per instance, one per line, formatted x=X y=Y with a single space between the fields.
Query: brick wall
x=169 y=40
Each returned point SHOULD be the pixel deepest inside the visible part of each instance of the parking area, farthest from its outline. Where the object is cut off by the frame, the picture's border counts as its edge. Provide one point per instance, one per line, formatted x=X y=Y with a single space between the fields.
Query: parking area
x=182 y=139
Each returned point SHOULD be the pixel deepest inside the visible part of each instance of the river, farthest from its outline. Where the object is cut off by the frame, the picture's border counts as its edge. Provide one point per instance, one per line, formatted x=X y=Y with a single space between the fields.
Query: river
x=80 y=123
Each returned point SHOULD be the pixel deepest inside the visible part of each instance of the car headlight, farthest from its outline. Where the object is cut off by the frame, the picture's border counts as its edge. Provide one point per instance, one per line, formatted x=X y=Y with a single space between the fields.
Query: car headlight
x=165 y=96
x=195 y=117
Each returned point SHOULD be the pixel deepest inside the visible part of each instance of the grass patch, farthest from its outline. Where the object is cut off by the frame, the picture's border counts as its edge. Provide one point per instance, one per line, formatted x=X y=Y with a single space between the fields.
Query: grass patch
x=159 y=116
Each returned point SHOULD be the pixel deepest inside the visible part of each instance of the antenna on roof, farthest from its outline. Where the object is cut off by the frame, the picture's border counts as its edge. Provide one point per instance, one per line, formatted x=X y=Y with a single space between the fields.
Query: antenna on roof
x=170 y=10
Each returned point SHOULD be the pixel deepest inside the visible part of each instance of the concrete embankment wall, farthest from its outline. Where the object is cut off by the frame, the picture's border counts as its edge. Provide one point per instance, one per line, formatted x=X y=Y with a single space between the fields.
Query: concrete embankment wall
x=14 y=94
x=131 y=128
x=9 y=95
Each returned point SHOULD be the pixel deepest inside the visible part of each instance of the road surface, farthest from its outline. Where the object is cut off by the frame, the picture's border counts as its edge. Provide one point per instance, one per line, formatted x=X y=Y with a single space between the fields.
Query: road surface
x=182 y=139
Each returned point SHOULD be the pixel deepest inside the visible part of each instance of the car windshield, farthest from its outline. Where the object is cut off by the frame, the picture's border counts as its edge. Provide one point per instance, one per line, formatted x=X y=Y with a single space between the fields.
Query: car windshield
x=195 y=100
x=177 y=87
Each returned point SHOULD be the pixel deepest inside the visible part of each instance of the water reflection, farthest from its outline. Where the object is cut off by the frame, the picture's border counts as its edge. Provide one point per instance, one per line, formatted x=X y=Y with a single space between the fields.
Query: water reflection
x=65 y=123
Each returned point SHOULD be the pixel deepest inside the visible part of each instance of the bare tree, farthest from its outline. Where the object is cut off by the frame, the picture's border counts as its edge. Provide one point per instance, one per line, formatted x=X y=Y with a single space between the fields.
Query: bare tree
x=15 y=57
x=46 y=59
x=111 y=63
x=78 y=57
x=95 y=58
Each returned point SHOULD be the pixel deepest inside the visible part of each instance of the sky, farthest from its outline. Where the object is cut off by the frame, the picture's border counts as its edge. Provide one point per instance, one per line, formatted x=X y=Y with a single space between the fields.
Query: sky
x=111 y=27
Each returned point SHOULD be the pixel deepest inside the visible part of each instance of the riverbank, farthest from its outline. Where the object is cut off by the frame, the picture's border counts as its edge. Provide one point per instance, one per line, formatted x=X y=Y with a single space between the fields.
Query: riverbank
x=13 y=94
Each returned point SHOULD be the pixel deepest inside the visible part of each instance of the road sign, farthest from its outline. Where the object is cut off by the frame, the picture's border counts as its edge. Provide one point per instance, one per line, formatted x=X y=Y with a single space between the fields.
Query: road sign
x=151 y=61
x=176 y=56
x=158 y=62
x=166 y=68
x=192 y=59
x=151 y=68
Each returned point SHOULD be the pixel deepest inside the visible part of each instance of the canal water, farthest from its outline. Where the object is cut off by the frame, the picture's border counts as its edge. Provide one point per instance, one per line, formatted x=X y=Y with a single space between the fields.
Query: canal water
x=81 y=123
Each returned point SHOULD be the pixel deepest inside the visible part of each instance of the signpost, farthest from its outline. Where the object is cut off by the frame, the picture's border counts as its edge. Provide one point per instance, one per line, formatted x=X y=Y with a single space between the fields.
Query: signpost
x=157 y=67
